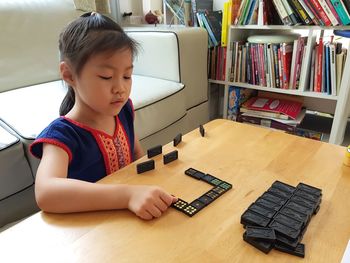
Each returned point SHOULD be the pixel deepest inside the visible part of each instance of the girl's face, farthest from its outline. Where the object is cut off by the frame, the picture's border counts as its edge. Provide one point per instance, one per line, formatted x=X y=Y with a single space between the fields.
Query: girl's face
x=104 y=84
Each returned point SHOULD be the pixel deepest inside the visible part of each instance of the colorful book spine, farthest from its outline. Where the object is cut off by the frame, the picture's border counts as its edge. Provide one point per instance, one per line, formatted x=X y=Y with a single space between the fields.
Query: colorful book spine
x=282 y=12
x=328 y=12
x=299 y=10
x=290 y=12
x=309 y=12
x=224 y=25
x=319 y=10
x=319 y=66
x=341 y=11
x=331 y=7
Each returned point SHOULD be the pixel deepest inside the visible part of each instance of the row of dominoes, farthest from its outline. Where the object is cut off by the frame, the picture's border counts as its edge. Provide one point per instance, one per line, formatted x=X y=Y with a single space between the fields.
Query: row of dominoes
x=192 y=208
x=154 y=151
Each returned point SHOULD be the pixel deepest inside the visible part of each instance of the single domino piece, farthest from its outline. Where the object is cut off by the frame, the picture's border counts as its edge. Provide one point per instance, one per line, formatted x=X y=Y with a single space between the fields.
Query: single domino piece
x=283 y=186
x=215 y=182
x=190 y=210
x=250 y=218
x=309 y=188
x=154 y=151
x=194 y=173
x=205 y=199
x=169 y=157
x=274 y=198
x=197 y=204
x=279 y=192
x=295 y=214
x=288 y=221
x=298 y=251
x=284 y=230
x=264 y=246
x=227 y=186
x=265 y=233
x=268 y=204
x=208 y=178
x=219 y=190
x=269 y=213
x=280 y=239
x=309 y=196
x=145 y=166
x=177 y=139
x=213 y=195
x=201 y=130
x=179 y=204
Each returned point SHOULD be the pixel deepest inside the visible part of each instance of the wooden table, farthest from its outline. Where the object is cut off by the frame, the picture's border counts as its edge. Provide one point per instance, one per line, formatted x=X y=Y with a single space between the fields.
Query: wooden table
x=251 y=158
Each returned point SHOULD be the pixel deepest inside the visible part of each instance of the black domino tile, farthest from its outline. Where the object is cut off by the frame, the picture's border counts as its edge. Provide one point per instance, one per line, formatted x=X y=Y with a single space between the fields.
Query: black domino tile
x=206 y=199
x=269 y=213
x=219 y=190
x=227 y=186
x=213 y=195
x=154 y=151
x=215 y=182
x=264 y=246
x=208 y=178
x=190 y=210
x=197 y=204
x=179 y=204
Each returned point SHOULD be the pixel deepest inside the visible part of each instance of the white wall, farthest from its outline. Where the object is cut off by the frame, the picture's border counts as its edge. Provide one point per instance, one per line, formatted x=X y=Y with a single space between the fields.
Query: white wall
x=218 y=4
x=134 y=6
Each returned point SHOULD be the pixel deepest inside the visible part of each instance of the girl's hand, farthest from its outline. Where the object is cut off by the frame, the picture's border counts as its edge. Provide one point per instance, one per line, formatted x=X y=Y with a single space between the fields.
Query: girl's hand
x=148 y=202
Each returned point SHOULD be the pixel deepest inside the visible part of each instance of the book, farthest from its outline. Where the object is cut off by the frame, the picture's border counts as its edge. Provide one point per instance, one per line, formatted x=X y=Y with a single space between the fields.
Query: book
x=265 y=122
x=328 y=12
x=332 y=69
x=292 y=15
x=309 y=12
x=341 y=11
x=299 y=10
x=273 y=107
x=236 y=97
x=282 y=12
x=224 y=25
x=318 y=10
x=289 y=122
x=214 y=19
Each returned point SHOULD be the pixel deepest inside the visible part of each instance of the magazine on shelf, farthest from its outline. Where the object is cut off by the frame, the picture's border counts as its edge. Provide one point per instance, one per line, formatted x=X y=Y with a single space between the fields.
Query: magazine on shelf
x=273 y=107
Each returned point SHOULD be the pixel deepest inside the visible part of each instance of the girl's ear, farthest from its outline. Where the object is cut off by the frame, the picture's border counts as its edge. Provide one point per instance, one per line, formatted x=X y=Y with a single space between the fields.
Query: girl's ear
x=67 y=73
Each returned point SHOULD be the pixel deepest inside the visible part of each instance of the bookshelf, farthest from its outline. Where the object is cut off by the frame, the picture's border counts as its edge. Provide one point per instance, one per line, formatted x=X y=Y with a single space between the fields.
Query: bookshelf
x=338 y=105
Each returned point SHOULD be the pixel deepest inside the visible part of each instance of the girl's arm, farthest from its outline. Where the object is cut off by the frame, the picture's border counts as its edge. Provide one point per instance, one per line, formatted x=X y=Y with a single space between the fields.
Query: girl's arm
x=56 y=193
x=138 y=149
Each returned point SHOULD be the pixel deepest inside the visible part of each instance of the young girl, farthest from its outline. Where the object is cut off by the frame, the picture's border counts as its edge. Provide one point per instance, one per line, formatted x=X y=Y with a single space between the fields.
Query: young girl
x=95 y=134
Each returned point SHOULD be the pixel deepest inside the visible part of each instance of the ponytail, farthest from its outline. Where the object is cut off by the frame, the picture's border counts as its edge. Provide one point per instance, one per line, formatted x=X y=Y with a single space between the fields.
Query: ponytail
x=68 y=102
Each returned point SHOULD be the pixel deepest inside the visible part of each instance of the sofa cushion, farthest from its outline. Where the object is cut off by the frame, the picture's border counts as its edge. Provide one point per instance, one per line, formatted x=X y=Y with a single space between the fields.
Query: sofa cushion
x=15 y=173
x=29 y=110
x=158 y=103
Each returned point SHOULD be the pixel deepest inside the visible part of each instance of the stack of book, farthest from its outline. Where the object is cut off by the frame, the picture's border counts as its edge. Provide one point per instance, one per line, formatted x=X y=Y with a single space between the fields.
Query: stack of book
x=291 y=12
x=327 y=65
x=274 y=113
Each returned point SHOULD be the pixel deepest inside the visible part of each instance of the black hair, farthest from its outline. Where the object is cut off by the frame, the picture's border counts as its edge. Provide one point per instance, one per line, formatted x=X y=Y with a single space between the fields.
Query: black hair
x=88 y=35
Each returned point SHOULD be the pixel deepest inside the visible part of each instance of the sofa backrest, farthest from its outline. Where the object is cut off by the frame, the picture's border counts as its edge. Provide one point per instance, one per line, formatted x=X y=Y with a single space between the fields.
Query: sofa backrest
x=29 y=40
x=161 y=51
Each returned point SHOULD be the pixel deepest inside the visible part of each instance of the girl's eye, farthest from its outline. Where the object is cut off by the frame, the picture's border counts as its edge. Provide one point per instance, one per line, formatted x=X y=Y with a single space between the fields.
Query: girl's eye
x=104 y=77
x=126 y=77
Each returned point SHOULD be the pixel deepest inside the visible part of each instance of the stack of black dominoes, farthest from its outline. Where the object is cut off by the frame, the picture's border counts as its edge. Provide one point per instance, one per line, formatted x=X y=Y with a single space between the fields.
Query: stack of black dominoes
x=279 y=218
x=192 y=208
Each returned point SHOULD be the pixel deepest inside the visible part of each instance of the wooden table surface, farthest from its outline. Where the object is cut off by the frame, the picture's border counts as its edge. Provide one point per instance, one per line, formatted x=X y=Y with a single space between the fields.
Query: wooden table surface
x=250 y=158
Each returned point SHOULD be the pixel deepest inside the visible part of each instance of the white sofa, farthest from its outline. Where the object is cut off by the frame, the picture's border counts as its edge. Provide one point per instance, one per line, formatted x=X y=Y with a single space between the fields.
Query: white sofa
x=169 y=89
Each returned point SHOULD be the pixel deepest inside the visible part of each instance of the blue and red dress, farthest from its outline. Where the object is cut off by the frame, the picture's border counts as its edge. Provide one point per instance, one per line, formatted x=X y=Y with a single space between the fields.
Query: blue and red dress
x=93 y=154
